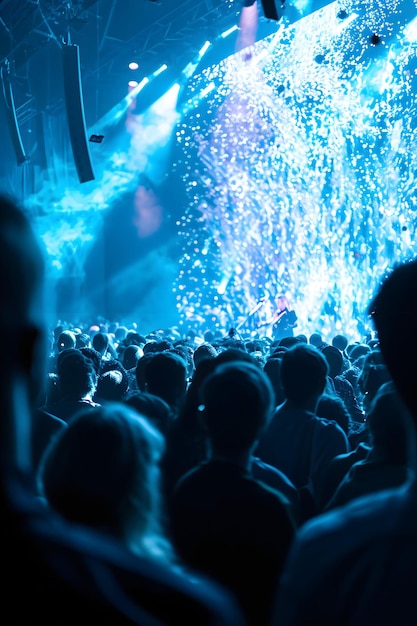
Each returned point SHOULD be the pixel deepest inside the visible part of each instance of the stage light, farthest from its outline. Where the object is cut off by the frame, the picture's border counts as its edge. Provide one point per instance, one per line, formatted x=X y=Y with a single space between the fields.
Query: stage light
x=410 y=31
x=204 y=49
x=160 y=70
x=133 y=65
x=191 y=67
x=229 y=31
x=133 y=83
x=10 y=110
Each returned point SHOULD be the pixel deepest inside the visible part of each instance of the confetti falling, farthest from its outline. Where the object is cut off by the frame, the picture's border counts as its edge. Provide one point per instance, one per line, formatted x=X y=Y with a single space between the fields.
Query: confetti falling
x=299 y=160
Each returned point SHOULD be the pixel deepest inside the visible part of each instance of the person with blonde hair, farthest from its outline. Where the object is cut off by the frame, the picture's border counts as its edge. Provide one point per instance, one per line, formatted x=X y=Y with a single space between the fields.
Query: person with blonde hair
x=102 y=471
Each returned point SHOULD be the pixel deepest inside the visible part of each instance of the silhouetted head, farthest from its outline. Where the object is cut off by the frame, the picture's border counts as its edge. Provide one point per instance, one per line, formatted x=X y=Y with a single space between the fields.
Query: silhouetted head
x=22 y=321
x=334 y=360
x=100 y=343
x=112 y=386
x=315 y=340
x=304 y=373
x=238 y=401
x=204 y=351
x=102 y=471
x=76 y=374
x=272 y=369
x=333 y=408
x=131 y=356
x=357 y=351
x=66 y=340
x=394 y=312
x=340 y=342
x=166 y=377
x=156 y=410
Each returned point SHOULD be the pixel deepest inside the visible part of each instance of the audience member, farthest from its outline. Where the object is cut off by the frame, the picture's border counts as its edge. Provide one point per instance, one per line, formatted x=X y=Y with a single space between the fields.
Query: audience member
x=187 y=443
x=129 y=359
x=112 y=386
x=66 y=573
x=297 y=441
x=156 y=410
x=102 y=471
x=224 y=522
x=386 y=464
x=343 y=388
x=77 y=380
x=166 y=377
x=358 y=563
x=272 y=369
x=332 y=407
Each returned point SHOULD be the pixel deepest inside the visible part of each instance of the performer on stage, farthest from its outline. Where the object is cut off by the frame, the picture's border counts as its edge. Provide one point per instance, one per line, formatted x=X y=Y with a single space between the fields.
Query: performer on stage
x=283 y=320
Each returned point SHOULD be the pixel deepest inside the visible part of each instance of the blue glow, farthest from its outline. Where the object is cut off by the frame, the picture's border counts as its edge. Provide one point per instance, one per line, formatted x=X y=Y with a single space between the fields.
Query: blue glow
x=300 y=170
x=160 y=70
x=116 y=113
x=410 y=31
x=204 y=49
x=229 y=31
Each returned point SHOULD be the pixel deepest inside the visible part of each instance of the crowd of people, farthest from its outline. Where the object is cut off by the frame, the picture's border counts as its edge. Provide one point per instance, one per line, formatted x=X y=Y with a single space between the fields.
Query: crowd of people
x=205 y=478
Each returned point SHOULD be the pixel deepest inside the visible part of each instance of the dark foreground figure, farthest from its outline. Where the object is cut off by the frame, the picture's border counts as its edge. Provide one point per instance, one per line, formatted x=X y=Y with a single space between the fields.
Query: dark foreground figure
x=358 y=564
x=54 y=572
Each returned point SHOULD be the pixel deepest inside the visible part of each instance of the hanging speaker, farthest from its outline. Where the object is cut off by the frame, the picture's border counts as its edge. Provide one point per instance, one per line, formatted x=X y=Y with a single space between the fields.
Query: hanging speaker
x=75 y=112
x=8 y=99
x=273 y=10
x=291 y=9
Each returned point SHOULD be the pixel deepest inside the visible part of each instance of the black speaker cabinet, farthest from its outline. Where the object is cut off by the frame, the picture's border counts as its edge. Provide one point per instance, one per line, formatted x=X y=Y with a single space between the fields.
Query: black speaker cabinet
x=10 y=110
x=75 y=112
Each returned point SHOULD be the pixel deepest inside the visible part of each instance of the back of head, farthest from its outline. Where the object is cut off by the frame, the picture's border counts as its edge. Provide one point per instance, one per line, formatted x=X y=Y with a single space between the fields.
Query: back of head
x=394 y=312
x=112 y=386
x=100 y=342
x=93 y=356
x=340 y=342
x=303 y=373
x=204 y=351
x=334 y=360
x=131 y=355
x=234 y=354
x=357 y=351
x=166 y=377
x=238 y=401
x=315 y=340
x=100 y=471
x=156 y=410
x=66 y=340
x=76 y=373
x=289 y=342
x=82 y=340
x=272 y=369
x=333 y=408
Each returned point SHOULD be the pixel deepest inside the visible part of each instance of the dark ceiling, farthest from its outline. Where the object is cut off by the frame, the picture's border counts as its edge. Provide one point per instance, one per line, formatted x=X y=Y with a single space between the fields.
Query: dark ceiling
x=110 y=33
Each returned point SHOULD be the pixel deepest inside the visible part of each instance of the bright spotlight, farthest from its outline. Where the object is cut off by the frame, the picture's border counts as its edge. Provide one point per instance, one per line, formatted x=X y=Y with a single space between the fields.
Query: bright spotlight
x=133 y=83
x=160 y=70
x=191 y=67
x=410 y=31
x=229 y=31
x=133 y=65
x=204 y=49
